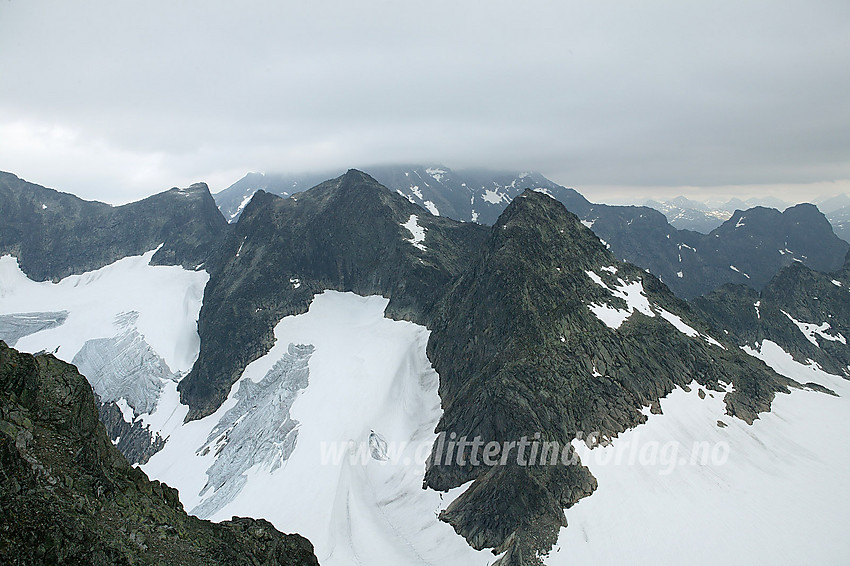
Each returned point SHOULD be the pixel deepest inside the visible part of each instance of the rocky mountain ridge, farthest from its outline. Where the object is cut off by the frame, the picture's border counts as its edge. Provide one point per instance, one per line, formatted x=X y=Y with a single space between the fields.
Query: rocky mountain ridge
x=56 y=234
x=548 y=332
x=805 y=312
x=347 y=234
x=690 y=263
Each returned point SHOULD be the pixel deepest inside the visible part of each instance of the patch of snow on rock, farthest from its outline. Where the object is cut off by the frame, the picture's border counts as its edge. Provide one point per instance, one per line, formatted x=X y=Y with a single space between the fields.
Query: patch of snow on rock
x=417 y=232
x=810 y=331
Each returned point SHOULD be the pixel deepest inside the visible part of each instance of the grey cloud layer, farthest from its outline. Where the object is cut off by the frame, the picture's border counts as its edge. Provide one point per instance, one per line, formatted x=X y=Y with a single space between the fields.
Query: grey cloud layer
x=647 y=93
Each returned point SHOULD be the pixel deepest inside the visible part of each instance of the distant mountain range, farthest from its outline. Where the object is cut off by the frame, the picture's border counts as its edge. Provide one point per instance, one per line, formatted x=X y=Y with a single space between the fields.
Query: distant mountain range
x=688 y=214
x=469 y=196
x=690 y=263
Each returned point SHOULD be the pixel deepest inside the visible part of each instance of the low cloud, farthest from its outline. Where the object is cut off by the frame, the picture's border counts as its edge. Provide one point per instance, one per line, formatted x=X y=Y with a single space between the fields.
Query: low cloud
x=116 y=101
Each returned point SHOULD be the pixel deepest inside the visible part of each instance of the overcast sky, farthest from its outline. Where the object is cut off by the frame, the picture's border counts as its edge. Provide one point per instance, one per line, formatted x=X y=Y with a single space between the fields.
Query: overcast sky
x=117 y=100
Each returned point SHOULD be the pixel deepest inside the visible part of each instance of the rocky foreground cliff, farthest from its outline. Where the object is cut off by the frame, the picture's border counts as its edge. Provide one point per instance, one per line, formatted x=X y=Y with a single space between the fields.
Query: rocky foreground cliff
x=69 y=497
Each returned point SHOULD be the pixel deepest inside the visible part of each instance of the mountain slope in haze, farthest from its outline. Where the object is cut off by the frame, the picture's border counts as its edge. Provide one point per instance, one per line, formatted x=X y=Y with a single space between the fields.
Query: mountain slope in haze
x=55 y=234
x=840 y=220
x=686 y=214
x=549 y=334
x=233 y=200
x=347 y=234
x=803 y=311
x=473 y=195
x=734 y=204
x=832 y=204
x=69 y=497
x=690 y=263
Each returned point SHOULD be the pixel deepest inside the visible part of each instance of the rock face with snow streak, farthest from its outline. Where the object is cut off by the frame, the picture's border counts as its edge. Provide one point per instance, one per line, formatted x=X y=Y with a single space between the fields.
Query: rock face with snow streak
x=133 y=438
x=521 y=338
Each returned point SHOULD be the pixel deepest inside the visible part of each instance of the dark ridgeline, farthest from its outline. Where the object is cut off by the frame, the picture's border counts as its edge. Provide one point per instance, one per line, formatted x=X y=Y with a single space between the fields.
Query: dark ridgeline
x=797 y=292
x=55 y=234
x=519 y=352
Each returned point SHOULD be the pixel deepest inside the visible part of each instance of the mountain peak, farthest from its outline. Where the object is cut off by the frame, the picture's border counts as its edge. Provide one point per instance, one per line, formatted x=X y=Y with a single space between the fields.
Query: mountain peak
x=533 y=204
x=196 y=190
x=356 y=178
x=548 y=332
x=542 y=226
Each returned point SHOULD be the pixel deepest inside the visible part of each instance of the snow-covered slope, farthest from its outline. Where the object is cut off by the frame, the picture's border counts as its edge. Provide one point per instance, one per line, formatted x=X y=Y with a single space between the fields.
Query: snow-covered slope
x=166 y=299
x=694 y=485
x=292 y=442
x=130 y=327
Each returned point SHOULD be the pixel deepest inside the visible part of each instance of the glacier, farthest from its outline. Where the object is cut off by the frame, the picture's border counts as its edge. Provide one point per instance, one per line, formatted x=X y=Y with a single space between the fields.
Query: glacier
x=129 y=327
x=15 y=326
x=124 y=367
x=348 y=439
x=258 y=430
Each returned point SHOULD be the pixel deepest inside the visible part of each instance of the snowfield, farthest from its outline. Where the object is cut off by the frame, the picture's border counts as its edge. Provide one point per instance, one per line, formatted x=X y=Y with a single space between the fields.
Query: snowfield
x=780 y=496
x=130 y=327
x=167 y=300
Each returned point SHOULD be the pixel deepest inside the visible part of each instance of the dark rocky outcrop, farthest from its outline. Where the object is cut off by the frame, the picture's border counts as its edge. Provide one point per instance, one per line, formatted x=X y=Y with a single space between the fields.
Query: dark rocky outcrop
x=519 y=352
x=808 y=296
x=345 y=234
x=69 y=497
x=55 y=234
x=134 y=440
